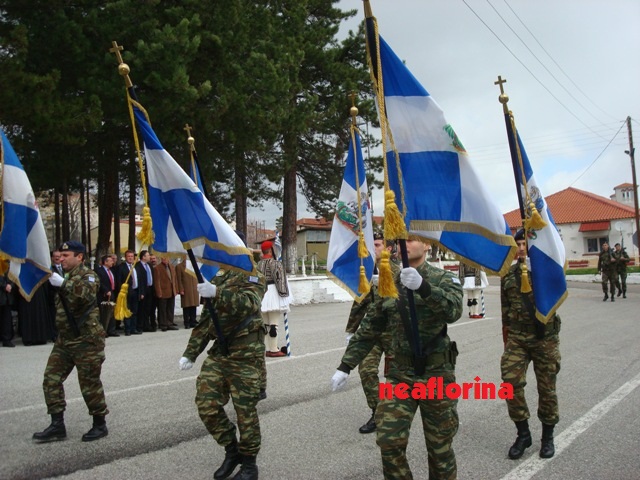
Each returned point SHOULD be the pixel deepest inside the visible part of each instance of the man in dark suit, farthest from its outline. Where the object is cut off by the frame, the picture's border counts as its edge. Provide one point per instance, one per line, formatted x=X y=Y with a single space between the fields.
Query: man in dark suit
x=145 y=277
x=133 y=293
x=107 y=295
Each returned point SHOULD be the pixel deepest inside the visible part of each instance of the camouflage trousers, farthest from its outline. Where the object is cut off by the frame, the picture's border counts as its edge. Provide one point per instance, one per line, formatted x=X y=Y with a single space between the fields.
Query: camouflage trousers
x=220 y=379
x=612 y=280
x=439 y=422
x=522 y=348
x=368 y=371
x=86 y=354
x=622 y=281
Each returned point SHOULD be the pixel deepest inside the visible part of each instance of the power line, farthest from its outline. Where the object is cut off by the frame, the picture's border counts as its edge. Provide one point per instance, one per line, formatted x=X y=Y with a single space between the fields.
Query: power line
x=554 y=61
x=596 y=159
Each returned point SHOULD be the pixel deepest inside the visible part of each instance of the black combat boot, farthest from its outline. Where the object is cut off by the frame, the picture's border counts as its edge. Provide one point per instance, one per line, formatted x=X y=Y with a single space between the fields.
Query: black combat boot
x=232 y=459
x=54 y=432
x=248 y=470
x=613 y=299
x=98 y=430
x=547 y=449
x=606 y=297
x=624 y=294
x=619 y=292
x=370 y=426
x=523 y=440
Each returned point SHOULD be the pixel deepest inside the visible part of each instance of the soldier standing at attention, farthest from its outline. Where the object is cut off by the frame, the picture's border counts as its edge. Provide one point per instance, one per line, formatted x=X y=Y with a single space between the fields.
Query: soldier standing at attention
x=80 y=344
x=622 y=258
x=438 y=301
x=608 y=267
x=526 y=340
x=233 y=368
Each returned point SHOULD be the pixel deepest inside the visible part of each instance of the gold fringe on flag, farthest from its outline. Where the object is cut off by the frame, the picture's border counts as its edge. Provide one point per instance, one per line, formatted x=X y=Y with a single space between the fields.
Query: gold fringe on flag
x=386 y=286
x=525 y=285
x=122 y=311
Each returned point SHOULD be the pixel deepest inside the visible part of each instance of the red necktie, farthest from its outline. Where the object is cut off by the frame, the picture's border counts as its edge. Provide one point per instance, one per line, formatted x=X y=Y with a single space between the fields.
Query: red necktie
x=113 y=286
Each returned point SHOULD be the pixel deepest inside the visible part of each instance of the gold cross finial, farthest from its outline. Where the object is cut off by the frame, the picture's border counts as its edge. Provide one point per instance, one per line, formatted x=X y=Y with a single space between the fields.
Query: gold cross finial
x=123 y=68
x=503 y=98
x=190 y=139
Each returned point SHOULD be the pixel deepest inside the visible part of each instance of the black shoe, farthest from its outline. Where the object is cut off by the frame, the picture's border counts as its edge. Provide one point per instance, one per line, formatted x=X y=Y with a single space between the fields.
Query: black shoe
x=606 y=297
x=624 y=295
x=612 y=299
x=8 y=343
x=172 y=327
x=547 y=448
x=127 y=334
x=523 y=440
x=619 y=292
x=248 y=470
x=262 y=395
x=114 y=334
x=54 y=432
x=232 y=459
x=370 y=426
x=98 y=430
x=136 y=333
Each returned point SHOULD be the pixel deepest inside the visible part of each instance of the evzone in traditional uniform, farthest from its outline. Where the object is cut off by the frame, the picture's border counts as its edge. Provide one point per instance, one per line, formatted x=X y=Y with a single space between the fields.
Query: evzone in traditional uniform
x=277 y=299
x=474 y=281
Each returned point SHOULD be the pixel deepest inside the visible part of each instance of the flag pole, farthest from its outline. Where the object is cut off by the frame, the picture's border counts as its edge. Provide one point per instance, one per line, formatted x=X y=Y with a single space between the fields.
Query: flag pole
x=392 y=214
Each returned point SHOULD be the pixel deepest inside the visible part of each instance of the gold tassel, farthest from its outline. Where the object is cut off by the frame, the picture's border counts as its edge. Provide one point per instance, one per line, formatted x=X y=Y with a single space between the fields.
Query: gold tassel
x=535 y=221
x=525 y=286
x=363 y=286
x=121 y=311
x=363 y=251
x=386 y=285
x=4 y=264
x=394 y=227
x=146 y=233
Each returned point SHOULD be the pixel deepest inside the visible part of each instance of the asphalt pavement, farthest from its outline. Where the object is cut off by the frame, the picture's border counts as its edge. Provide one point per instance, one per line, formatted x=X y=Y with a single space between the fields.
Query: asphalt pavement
x=310 y=432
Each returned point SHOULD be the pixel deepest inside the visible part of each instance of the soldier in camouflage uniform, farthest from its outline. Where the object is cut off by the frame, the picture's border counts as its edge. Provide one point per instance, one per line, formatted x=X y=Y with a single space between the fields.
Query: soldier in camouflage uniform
x=438 y=298
x=608 y=266
x=526 y=340
x=235 y=373
x=622 y=258
x=80 y=344
x=369 y=366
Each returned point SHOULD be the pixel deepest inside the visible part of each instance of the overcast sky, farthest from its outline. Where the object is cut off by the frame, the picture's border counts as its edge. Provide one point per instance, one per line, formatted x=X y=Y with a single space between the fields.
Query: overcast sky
x=573 y=77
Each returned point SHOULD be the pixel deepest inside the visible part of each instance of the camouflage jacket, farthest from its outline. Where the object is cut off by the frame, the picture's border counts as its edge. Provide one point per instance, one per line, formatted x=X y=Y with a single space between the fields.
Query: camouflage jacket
x=621 y=258
x=238 y=299
x=606 y=262
x=434 y=311
x=80 y=294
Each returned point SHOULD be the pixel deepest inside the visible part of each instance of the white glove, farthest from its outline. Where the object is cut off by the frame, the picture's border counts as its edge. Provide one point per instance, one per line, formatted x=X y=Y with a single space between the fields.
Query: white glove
x=184 y=363
x=56 y=279
x=374 y=280
x=410 y=278
x=207 y=290
x=339 y=380
x=348 y=337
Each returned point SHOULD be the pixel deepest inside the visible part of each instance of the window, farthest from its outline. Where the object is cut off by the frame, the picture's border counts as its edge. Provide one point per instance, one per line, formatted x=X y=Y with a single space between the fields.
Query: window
x=594 y=245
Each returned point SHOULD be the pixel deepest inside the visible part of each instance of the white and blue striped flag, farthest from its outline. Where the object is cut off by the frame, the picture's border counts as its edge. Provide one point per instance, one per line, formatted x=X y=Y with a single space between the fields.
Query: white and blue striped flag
x=446 y=202
x=23 y=239
x=545 y=248
x=353 y=209
x=182 y=217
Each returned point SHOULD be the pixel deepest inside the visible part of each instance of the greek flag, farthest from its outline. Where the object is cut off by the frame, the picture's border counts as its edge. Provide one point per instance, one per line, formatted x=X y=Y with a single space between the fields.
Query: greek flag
x=182 y=217
x=545 y=247
x=353 y=214
x=23 y=239
x=430 y=173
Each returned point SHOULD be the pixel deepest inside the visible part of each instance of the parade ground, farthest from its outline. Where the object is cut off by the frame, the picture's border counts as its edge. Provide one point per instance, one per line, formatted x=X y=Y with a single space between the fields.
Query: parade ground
x=310 y=432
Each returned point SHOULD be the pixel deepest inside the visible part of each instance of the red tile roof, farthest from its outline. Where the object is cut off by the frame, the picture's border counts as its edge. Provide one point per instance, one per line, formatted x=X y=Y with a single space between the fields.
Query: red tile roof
x=576 y=206
x=313 y=223
x=595 y=226
x=623 y=185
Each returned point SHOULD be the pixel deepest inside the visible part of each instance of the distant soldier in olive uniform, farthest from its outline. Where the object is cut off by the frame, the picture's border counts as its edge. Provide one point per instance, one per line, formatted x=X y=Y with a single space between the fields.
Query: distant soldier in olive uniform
x=609 y=268
x=527 y=340
x=438 y=298
x=235 y=373
x=80 y=344
x=369 y=366
x=622 y=258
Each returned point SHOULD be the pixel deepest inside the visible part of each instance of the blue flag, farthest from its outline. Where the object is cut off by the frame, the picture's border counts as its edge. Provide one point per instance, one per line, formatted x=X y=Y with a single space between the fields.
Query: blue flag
x=545 y=248
x=353 y=215
x=435 y=185
x=23 y=239
x=182 y=217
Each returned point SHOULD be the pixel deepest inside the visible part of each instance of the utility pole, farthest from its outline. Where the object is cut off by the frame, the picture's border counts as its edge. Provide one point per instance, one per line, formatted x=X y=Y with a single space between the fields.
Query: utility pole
x=631 y=152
